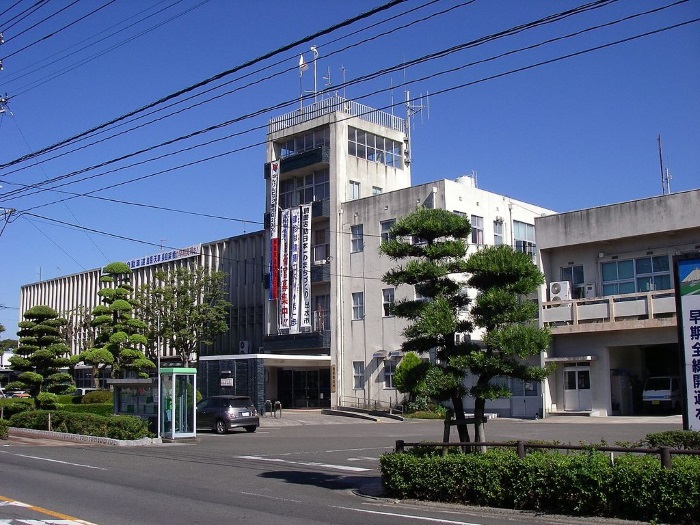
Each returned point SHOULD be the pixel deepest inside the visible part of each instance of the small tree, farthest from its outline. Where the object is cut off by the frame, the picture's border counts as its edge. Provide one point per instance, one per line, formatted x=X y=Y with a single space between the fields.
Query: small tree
x=117 y=330
x=431 y=266
x=185 y=308
x=504 y=278
x=41 y=353
x=409 y=377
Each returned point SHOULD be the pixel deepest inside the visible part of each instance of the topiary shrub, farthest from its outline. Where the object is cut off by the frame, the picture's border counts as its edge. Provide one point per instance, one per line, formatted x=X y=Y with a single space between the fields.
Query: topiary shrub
x=47 y=401
x=98 y=396
x=3 y=429
x=98 y=409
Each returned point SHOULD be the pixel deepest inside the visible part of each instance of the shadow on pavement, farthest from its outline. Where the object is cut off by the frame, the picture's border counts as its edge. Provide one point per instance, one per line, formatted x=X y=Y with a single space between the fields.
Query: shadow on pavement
x=362 y=485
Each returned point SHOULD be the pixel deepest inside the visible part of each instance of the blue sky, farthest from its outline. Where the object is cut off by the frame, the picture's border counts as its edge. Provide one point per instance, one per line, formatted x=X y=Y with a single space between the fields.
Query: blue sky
x=574 y=133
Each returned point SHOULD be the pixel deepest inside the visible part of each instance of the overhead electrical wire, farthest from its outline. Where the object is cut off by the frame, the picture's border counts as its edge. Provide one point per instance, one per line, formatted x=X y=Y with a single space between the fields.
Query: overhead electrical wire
x=41 y=21
x=218 y=76
x=439 y=54
x=11 y=7
x=24 y=14
x=436 y=93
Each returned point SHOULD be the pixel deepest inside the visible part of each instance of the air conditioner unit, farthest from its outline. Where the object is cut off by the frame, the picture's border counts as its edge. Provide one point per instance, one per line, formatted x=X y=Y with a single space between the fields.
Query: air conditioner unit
x=243 y=347
x=590 y=291
x=559 y=291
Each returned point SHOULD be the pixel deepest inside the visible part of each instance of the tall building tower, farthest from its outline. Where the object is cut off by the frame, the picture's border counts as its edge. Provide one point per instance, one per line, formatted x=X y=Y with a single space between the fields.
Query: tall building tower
x=318 y=158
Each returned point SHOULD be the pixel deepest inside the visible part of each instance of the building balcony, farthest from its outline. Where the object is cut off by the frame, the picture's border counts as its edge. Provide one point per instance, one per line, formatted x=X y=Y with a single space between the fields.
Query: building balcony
x=613 y=313
x=317 y=340
x=309 y=160
x=320 y=273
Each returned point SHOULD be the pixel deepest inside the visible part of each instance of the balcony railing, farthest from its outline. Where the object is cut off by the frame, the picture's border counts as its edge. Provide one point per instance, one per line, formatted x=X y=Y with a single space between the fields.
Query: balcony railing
x=613 y=309
x=322 y=320
x=332 y=105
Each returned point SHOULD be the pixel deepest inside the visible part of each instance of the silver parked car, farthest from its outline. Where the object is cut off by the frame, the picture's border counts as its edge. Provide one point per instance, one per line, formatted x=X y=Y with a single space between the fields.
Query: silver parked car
x=223 y=413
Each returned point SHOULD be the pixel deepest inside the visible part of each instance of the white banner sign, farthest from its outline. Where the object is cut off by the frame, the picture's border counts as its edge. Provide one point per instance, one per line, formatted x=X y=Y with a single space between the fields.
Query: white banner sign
x=305 y=317
x=165 y=256
x=294 y=285
x=688 y=272
x=274 y=247
x=284 y=271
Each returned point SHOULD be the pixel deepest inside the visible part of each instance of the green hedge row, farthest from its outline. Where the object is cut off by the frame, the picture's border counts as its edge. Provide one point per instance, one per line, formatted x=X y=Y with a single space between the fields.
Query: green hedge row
x=105 y=409
x=14 y=406
x=3 y=429
x=585 y=484
x=116 y=427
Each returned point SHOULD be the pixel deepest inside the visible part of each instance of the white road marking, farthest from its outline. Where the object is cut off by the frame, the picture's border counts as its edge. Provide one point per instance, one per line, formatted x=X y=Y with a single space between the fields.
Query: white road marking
x=305 y=463
x=270 y=497
x=409 y=516
x=363 y=458
x=54 y=461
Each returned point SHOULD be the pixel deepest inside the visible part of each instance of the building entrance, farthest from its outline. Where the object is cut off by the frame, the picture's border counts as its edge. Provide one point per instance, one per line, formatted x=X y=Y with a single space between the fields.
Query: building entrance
x=304 y=388
x=577 y=388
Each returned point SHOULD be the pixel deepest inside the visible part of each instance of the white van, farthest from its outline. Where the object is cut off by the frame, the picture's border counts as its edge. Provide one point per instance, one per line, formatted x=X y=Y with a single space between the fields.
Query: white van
x=662 y=392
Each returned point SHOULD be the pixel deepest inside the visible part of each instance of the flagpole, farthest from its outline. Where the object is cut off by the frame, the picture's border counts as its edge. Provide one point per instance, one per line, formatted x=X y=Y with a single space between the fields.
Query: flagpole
x=313 y=48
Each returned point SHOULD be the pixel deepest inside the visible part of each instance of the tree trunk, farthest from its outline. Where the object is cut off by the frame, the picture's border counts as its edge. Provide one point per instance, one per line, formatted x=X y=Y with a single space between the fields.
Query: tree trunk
x=479 y=425
x=462 y=428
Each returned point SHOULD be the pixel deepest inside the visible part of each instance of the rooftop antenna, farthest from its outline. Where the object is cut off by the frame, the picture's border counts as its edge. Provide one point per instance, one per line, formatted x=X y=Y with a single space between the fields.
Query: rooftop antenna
x=391 y=95
x=328 y=82
x=315 y=52
x=413 y=109
x=665 y=174
x=342 y=69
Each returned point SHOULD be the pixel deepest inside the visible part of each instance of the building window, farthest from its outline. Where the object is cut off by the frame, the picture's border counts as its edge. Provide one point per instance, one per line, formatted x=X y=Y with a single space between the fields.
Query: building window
x=643 y=274
x=389 y=370
x=574 y=274
x=322 y=312
x=374 y=148
x=524 y=238
x=353 y=190
x=358 y=306
x=358 y=375
x=376 y=190
x=304 y=190
x=356 y=238
x=388 y=301
x=498 y=232
x=305 y=142
x=386 y=226
x=477 y=230
x=321 y=247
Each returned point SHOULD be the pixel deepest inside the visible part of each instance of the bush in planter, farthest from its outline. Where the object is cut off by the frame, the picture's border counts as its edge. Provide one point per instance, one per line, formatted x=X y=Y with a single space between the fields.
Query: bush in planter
x=47 y=401
x=116 y=427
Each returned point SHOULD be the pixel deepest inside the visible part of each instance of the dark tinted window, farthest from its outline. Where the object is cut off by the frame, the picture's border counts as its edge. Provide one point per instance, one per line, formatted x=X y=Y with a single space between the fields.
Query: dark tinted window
x=241 y=403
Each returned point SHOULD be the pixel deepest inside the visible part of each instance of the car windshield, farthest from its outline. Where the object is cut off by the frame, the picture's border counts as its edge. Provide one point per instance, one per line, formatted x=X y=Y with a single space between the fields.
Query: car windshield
x=658 y=383
x=240 y=403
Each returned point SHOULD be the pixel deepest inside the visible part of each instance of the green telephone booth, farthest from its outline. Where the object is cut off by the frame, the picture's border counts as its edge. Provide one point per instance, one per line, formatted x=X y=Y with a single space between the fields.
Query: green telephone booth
x=177 y=408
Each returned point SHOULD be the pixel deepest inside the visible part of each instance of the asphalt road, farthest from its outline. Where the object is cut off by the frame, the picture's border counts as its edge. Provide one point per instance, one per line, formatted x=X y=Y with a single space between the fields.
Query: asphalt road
x=304 y=468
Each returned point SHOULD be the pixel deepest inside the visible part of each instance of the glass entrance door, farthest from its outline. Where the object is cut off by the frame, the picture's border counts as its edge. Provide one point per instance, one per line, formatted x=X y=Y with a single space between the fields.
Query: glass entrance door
x=577 y=388
x=304 y=388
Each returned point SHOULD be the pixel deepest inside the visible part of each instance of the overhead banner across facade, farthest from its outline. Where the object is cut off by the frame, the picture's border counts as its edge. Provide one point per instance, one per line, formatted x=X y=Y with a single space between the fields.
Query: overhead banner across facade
x=305 y=298
x=294 y=277
x=283 y=323
x=274 y=241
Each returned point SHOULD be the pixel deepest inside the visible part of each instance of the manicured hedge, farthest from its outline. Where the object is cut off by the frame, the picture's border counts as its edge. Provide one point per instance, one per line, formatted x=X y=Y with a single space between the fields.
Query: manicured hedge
x=15 y=405
x=105 y=409
x=116 y=427
x=3 y=429
x=583 y=484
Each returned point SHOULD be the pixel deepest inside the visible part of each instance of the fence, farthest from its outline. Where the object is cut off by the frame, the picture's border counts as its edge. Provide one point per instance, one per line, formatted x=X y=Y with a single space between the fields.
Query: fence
x=369 y=404
x=522 y=446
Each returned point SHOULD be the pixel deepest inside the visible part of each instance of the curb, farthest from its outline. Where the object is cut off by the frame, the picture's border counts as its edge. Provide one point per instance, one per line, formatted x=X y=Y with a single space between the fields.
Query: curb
x=63 y=436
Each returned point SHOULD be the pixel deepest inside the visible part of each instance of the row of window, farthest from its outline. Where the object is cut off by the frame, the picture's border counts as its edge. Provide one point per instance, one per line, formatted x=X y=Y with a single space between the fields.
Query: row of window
x=304 y=190
x=374 y=148
x=358 y=304
x=358 y=373
x=305 y=142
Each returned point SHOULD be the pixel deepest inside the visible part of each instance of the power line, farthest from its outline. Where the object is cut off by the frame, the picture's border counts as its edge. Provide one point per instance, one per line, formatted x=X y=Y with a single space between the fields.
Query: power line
x=27 y=12
x=218 y=76
x=432 y=56
x=41 y=21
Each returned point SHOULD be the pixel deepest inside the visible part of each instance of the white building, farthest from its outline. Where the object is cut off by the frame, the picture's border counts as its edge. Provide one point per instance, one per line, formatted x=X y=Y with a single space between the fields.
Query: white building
x=609 y=299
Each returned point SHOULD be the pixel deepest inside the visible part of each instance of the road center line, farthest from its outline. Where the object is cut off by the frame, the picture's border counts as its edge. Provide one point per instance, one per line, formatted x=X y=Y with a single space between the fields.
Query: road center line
x=305 y=463
x=408 y=516
x=52 y=460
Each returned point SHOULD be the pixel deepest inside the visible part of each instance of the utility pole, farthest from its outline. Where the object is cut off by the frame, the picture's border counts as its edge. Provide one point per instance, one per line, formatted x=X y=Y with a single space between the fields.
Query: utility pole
x=661 y=163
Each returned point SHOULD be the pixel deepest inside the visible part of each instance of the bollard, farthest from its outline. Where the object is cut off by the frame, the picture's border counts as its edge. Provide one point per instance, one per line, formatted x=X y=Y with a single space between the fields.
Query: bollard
x=400 y=445
x=49 y=421
x=665 y=457
x=278 y=406
x=520 y=448
x=268 y=407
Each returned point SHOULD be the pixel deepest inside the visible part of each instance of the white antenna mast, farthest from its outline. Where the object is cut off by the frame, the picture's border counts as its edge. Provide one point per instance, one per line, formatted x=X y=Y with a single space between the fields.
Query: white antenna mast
x=315 y=52
x=412 y=109
x=342 y=69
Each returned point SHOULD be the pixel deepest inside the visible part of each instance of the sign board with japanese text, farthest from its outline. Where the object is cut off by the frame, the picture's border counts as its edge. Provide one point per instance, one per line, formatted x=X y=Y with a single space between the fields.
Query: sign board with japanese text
x=687 y=281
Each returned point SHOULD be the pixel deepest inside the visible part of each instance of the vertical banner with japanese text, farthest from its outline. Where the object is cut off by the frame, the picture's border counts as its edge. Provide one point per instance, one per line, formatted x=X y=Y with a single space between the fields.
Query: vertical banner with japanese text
x=283 y=323
x=687 y=276
x=305 y=316
x=294 y=277
x=274 y=241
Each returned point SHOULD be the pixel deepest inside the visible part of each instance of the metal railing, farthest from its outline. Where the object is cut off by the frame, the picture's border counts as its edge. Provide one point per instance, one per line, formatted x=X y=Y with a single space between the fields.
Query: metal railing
x=522 y=446
x=332 y=105
x=360 y=403
x=614 y=308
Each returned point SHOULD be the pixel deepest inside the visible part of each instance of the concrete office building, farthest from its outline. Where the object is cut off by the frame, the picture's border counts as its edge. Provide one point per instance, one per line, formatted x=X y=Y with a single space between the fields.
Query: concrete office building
x=609 y=299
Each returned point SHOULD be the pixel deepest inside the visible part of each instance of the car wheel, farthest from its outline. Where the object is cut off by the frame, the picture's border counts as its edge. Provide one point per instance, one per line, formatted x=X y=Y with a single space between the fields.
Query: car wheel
x=220 y=426
x=251 y=428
